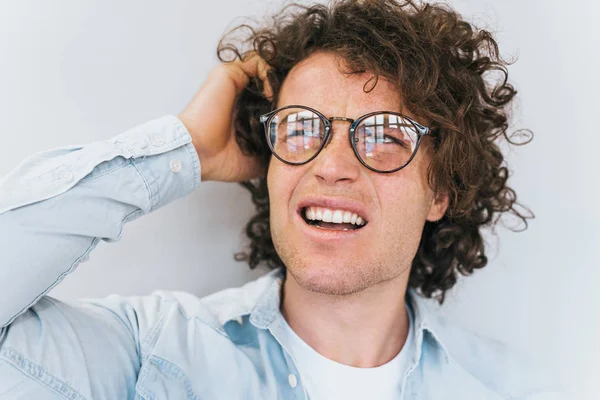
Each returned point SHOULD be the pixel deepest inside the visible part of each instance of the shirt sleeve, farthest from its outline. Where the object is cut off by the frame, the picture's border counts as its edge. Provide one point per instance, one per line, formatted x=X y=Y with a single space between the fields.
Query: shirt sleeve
x=55 y=207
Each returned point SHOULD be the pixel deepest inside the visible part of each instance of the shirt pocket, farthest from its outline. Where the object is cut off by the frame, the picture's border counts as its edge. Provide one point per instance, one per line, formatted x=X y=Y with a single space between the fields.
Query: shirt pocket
x=16 y=384
x=161 y=379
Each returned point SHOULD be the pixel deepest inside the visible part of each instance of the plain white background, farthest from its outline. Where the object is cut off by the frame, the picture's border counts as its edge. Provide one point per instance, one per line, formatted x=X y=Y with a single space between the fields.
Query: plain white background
x=75 y=72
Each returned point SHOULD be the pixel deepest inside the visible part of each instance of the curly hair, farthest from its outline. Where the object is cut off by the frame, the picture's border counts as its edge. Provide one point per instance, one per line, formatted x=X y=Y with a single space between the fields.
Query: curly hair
x=449 y=73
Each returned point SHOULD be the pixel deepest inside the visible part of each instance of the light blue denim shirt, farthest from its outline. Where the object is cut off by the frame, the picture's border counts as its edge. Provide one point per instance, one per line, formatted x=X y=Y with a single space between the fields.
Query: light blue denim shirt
x=54 y=209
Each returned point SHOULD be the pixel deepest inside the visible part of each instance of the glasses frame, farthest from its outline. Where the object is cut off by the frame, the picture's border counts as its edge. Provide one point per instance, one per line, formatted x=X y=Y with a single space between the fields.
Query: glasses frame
x=421 y=130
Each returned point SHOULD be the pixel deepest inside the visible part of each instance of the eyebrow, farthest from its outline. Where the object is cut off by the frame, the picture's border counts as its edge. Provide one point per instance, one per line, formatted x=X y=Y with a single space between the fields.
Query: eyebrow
x=336 y=118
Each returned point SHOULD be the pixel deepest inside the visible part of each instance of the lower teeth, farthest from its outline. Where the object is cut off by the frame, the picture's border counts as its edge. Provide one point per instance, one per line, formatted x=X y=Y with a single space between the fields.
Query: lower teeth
x=343 y=229
x=332 y=226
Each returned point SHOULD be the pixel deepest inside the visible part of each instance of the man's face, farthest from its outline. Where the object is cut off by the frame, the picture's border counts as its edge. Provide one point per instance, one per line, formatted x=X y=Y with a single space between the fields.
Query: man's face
x=394 y=205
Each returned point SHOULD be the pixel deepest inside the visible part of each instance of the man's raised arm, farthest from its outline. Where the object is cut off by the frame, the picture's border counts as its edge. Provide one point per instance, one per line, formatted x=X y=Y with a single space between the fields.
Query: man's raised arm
x=57 y=205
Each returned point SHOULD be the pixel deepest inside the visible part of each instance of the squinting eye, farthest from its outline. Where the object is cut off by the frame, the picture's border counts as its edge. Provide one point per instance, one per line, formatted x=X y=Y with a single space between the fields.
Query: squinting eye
x=393 y=140
x=295 y=133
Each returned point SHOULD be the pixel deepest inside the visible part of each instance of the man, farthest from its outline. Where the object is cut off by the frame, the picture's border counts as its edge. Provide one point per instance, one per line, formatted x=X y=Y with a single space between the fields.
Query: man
x=381 y=168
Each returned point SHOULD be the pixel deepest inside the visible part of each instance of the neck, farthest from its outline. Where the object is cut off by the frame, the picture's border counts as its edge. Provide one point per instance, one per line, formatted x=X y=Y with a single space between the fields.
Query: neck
x=365 y=329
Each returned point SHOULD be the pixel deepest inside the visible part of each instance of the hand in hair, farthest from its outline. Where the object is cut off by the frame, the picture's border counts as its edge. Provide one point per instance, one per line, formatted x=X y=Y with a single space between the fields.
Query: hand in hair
x=209 y=119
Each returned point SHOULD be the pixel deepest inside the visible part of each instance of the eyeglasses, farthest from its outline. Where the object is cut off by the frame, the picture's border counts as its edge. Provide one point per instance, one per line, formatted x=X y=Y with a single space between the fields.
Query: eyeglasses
x=383 y=141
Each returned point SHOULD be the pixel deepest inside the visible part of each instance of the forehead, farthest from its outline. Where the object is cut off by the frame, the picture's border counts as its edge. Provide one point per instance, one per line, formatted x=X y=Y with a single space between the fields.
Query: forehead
x=319 y=82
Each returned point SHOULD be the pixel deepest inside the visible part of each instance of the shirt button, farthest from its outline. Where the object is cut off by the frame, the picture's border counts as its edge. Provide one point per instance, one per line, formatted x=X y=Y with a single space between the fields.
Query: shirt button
x=66 y=176
x=293 y=380
x=157 y=140
x=175 y=165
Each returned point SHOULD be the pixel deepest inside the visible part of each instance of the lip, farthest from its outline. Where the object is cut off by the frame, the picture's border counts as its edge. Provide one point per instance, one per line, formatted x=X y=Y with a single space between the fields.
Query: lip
x=334 y=203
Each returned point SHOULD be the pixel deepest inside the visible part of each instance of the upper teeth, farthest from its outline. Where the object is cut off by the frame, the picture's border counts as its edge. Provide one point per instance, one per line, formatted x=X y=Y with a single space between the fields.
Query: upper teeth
x=335 y=216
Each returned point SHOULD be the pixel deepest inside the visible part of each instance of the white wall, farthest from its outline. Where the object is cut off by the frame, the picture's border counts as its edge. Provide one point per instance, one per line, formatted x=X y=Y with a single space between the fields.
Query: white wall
x=75 y=72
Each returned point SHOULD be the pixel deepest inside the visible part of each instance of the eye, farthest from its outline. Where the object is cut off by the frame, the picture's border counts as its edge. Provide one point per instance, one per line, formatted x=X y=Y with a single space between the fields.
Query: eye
x=385 y=139
x=392 y=140
x=294 y=133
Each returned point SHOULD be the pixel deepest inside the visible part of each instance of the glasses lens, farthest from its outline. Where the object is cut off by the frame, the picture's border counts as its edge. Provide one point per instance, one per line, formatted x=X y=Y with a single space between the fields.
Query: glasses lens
x=296 y=134
x=385 y=142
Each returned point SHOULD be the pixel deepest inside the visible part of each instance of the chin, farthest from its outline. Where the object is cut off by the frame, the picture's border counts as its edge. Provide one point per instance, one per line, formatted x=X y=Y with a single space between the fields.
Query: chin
x=339 y=279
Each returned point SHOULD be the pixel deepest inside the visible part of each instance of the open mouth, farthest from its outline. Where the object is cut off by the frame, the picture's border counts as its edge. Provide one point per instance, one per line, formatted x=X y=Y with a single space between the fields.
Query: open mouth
x=336 y=220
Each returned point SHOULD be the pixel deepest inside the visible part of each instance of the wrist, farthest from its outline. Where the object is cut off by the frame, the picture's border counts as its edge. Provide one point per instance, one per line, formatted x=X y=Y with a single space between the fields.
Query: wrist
x=205 y=164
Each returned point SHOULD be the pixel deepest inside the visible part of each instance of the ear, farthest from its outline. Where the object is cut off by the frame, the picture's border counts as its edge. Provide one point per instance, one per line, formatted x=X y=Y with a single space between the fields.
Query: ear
x=438 y=207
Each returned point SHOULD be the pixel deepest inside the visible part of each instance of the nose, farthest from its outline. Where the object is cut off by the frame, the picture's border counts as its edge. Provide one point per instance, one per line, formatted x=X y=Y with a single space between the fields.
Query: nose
x=337 y=162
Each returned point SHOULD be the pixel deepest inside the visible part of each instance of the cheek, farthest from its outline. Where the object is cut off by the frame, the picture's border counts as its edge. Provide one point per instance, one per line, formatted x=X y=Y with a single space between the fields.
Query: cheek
x=405 y=201
x=272 y=187
x=281 y=184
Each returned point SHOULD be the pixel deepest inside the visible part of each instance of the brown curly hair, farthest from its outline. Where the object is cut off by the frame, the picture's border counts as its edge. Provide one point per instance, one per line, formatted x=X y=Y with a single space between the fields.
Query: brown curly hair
x=445 y=69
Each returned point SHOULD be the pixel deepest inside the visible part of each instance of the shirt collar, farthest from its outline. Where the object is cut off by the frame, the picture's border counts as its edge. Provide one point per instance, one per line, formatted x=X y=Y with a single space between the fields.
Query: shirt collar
x=267 y=306
x=262 y=303
x=428 y=325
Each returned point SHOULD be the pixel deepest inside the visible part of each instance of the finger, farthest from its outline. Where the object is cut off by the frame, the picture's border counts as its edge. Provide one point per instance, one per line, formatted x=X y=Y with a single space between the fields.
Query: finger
x=263 y=69
x=255 y=65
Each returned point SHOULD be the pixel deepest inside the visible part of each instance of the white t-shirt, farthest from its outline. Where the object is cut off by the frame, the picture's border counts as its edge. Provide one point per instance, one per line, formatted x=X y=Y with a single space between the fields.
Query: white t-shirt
x=325 y=379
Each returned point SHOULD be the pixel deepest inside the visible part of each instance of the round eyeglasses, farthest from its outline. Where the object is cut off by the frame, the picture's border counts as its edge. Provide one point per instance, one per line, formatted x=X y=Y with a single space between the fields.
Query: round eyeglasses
x=383 y=141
